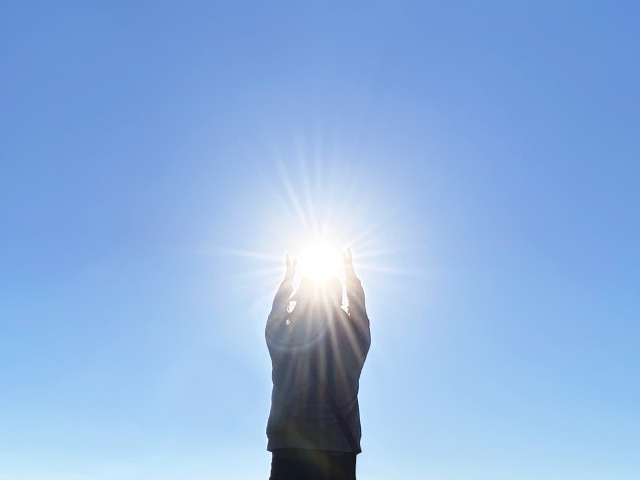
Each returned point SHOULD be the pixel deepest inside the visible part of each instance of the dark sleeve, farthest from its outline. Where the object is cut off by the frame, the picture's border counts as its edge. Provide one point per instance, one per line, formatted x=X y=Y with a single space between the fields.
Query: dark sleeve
x=357 y=309
x=278 y=315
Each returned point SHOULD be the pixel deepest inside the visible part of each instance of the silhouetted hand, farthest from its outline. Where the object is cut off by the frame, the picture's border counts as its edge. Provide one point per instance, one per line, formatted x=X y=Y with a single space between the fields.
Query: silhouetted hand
x=347 y=257
x=291 y=269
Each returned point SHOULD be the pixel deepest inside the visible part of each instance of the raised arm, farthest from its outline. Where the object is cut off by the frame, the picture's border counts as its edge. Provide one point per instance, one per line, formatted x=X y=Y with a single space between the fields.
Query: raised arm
x=355 y=294
x=278 y=313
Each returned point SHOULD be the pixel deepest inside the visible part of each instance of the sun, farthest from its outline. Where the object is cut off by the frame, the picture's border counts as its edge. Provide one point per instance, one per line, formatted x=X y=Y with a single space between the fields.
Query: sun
x=320 y=261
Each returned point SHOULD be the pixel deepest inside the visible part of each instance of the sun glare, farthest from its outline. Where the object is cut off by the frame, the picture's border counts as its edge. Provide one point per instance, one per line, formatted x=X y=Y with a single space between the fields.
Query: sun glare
x=320 y=261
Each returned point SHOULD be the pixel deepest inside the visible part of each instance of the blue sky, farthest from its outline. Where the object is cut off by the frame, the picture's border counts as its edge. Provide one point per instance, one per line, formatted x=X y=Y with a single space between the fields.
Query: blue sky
x=158 y=159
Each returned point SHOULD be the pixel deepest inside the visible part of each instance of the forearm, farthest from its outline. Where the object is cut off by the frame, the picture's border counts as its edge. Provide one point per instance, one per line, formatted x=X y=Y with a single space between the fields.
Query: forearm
x=279 y=308
x=355 y=295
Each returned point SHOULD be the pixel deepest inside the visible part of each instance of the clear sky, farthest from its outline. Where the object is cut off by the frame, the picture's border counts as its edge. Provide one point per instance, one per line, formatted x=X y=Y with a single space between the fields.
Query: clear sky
x=481 y=159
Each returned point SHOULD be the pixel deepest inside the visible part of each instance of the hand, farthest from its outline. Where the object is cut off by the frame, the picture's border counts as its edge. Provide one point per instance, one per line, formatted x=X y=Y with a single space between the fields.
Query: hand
x=291 y=269
x=347 y=258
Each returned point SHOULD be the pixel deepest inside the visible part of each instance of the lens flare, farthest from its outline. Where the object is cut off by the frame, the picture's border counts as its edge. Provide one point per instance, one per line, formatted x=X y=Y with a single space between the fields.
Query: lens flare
x=320 y=261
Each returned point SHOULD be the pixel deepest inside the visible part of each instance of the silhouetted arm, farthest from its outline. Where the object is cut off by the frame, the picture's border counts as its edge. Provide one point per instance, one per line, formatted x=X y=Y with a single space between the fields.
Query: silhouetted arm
x=278 y=315
x=355 y=295
x=279 y=308
x=357 y=309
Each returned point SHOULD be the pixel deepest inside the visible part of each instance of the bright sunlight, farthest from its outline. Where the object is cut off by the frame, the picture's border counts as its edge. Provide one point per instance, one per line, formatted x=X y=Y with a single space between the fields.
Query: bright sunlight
x=320 y=261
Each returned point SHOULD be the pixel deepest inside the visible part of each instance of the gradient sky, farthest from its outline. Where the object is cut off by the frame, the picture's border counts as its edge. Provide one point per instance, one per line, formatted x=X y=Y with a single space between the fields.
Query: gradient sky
x=158 y=159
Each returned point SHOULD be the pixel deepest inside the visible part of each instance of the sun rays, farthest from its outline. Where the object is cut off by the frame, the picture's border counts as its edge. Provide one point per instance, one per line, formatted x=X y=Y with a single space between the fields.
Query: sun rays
x=314 y=207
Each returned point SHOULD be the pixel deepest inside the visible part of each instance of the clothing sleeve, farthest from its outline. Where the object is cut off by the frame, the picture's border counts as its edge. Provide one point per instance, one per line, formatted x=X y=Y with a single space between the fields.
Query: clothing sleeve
x=357 y=310
x=278 y=315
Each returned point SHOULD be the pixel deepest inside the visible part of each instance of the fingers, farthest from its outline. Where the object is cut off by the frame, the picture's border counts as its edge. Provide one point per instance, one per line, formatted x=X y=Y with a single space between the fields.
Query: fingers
x=291 y=264
x=348 y=264
x=291 y=267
